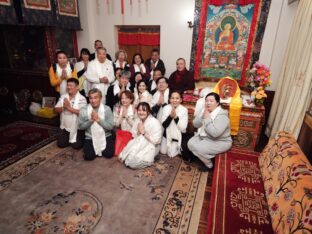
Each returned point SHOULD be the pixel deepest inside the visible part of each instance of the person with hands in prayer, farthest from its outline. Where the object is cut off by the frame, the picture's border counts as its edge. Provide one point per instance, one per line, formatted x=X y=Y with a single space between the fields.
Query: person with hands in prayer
x=97 y=120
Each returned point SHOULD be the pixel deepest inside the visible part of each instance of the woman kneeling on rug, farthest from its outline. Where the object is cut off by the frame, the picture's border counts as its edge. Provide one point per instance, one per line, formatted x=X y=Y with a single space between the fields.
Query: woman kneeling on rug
x=174 y=120
x=213 y=136
x=147 y=132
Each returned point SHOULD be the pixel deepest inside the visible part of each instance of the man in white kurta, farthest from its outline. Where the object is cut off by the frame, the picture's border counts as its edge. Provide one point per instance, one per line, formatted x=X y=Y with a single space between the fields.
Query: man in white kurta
x=100 y=73
x=68 y=106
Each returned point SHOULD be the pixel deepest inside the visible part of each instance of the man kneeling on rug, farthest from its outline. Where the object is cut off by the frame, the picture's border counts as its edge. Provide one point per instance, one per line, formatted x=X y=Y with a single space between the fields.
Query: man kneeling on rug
x=213 y=136
x=68 y=107
x=97 y=120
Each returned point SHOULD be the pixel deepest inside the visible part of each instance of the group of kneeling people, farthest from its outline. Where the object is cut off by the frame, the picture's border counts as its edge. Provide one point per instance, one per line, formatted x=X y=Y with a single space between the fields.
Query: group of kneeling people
x=158 y=125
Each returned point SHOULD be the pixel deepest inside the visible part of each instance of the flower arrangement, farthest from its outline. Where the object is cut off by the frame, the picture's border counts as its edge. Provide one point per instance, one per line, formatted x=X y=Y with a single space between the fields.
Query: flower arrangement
x=259 y=75
x=259 y=95
x=259 y=78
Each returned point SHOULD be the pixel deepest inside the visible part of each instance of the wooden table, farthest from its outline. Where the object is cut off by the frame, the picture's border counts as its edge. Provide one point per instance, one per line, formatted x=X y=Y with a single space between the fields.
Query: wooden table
x=251 y=121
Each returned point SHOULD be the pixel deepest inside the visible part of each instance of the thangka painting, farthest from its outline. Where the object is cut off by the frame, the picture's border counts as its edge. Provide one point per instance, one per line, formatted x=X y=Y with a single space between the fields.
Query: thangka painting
x=67 y=7
x=226 y=38
x=38 y=4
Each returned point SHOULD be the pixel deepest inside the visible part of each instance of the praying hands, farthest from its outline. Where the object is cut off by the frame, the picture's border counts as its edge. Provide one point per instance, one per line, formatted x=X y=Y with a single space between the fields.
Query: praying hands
x=141 y=129
x=95 y=117
x=104 y=80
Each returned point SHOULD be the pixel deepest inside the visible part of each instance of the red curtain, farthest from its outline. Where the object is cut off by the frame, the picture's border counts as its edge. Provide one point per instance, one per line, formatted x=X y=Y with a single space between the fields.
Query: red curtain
x=139 y=36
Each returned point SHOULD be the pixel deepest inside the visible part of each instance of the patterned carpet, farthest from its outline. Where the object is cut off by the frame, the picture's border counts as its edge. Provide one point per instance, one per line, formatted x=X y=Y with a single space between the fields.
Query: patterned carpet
x=238 y=203
x=21 y=138
x=56 y=191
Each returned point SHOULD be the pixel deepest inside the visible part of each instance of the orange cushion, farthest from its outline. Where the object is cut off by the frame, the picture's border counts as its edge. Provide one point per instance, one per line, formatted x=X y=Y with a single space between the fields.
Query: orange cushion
x=287 y=177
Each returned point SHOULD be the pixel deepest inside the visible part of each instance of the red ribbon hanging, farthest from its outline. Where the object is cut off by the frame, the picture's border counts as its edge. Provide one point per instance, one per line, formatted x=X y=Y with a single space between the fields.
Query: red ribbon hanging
x=122 y=7
x=130 y=2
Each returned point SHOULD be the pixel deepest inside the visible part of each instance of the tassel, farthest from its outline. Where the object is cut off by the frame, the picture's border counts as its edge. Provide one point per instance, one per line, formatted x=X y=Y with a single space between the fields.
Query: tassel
x=122 y=7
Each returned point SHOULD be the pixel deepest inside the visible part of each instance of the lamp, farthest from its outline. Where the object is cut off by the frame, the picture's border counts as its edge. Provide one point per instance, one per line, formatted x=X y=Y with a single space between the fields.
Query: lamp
x=190 y=24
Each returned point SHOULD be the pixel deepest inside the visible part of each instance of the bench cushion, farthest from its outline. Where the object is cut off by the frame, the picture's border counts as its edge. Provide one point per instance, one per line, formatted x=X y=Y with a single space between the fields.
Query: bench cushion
x=287 y=178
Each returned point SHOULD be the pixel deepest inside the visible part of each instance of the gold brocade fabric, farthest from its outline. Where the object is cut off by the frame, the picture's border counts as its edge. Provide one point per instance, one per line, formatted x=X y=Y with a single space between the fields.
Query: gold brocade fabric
x=227 y=87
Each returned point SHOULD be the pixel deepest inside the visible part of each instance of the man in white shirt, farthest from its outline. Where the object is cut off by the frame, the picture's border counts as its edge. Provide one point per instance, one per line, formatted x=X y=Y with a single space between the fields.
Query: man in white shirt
x=100 y=72
x=68 y=106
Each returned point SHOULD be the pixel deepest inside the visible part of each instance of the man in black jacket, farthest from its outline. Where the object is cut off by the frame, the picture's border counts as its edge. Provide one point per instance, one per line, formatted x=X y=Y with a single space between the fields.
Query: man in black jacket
x=114 y=91
x=99 y=44
x=155 y=62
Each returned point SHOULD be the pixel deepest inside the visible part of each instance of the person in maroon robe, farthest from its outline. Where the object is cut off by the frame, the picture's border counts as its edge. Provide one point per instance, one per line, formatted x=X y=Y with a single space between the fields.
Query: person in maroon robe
x=182 y=79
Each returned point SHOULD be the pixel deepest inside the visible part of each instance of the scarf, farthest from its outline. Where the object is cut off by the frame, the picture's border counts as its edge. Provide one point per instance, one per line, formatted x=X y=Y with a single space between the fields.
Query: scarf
x=117 y=64
x=213 y=114
x=117 y=88
x=152 y=83
x=97 y=131
x=174 y=131
x=179 y=75
x=137 y=68
x=152 y=70
x=59 y=72
x=146 y=97
x=69 y=121
x=155 y=100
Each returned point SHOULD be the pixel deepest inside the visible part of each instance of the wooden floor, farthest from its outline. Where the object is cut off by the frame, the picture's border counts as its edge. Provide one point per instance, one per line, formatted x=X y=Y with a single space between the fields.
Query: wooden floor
x=203 y=222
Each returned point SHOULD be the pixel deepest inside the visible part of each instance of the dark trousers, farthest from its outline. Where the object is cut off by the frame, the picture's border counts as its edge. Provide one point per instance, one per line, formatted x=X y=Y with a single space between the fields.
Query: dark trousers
x=89 y=153
x=63 y=139
x=186 y=154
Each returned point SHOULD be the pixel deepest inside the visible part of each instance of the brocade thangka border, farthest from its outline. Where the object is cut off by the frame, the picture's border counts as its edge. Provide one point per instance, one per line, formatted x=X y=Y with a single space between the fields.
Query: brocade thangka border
x=67 y=7
x=38 y=4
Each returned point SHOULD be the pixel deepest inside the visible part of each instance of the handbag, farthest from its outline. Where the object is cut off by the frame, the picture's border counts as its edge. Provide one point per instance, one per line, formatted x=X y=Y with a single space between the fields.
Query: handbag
x=122 y=139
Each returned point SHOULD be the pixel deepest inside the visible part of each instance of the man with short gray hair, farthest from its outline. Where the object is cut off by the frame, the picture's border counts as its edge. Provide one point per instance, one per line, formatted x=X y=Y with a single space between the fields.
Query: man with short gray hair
x=114 y=91
x=100 y=72
x=97 y=120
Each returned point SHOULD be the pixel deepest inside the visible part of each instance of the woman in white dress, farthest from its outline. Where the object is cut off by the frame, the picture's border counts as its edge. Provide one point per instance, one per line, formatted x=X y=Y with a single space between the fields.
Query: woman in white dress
x=142 y=94
x=147 y=132
x=125 y=113
x=174 y=121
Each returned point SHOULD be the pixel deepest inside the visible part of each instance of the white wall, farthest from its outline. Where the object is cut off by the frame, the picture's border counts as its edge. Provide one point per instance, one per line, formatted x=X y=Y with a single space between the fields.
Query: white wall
x=98 y=22
x=276 y=36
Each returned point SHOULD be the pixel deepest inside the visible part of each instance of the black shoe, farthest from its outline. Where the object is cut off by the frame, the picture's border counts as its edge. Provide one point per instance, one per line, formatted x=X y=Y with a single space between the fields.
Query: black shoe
x=204 y=168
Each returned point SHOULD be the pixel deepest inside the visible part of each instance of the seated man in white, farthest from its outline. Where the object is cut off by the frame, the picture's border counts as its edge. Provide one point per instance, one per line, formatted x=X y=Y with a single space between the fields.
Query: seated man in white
x=97 y=121
x=147 y=132
x=100 y=73
x=160 y=98
x=68 y=107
